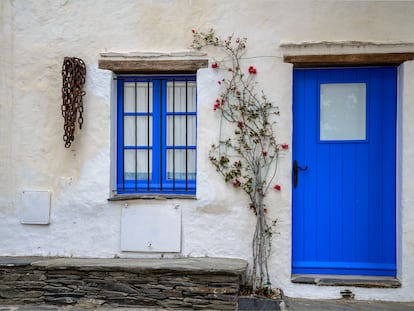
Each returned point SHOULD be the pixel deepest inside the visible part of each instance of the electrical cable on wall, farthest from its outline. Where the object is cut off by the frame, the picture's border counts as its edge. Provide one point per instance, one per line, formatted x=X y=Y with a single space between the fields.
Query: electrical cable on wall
x=73 y=76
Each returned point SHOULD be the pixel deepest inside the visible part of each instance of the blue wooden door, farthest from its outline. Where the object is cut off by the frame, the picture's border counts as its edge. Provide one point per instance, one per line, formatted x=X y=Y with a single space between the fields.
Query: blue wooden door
x=344 y=180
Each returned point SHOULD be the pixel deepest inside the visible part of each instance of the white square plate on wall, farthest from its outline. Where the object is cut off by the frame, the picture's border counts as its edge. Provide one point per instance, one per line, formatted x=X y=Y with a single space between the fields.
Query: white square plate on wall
x=151 y=228
x=35 y=208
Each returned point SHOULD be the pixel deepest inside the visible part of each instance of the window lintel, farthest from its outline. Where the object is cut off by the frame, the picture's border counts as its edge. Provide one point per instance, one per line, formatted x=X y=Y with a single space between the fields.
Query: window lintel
x=143 y=66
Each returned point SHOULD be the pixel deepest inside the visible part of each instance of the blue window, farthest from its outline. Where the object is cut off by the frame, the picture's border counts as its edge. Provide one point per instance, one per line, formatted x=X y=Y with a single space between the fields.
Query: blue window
x=156 y=134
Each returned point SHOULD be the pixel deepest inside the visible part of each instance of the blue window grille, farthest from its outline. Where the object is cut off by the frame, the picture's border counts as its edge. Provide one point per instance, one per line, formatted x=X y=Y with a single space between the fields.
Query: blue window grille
x=156 y=134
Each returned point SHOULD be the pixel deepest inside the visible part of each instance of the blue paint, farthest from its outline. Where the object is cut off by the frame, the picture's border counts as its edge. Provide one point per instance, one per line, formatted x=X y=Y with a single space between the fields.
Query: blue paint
x=158 y=183
x=344 y=204
x=120 y=135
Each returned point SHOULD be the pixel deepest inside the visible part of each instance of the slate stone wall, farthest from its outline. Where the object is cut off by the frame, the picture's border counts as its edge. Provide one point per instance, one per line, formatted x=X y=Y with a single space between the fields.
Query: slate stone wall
x=29 y=284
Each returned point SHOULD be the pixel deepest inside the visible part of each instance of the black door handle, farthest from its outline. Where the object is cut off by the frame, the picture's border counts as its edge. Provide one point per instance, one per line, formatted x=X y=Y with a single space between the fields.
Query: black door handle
x=297 y=168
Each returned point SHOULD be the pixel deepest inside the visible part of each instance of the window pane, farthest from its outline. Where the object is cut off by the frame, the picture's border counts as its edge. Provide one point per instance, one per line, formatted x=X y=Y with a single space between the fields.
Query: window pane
x=142 y=92
x=343 y=111
x=176 y=131
x=176 y=164
x=137 y=159
x=138 y=137
x=177 y=96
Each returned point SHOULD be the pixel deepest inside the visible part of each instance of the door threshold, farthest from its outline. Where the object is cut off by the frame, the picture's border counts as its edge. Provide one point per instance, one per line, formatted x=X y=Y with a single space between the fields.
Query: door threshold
x=347 y=280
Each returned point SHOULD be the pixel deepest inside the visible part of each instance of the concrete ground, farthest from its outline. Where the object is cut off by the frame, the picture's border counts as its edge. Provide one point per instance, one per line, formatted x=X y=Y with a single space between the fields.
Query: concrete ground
x=291 y=304
x=345 y=305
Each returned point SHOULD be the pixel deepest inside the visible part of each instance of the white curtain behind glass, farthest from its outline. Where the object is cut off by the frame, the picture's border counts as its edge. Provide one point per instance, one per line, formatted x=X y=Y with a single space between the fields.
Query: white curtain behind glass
x=181 y=130
x=137 y=130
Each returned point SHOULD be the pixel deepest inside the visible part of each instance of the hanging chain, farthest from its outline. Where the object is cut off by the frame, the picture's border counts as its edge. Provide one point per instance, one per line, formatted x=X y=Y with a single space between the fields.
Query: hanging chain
x=73 y=75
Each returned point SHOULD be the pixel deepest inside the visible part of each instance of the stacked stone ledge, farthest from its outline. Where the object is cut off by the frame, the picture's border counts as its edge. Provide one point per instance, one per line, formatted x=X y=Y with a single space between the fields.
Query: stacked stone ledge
x=192 y=283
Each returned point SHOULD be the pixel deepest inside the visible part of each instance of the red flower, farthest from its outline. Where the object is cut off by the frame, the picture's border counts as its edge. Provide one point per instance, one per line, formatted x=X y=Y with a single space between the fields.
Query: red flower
x=230 y=69
x=236 y=183
x=240 y=124
x=219 y=82
x=193 y=30
x=214 y=65
x=277 y=187
x=284 y=146
x=252 y=70
x=238 y=41
x=265 y=153
x=218 y=103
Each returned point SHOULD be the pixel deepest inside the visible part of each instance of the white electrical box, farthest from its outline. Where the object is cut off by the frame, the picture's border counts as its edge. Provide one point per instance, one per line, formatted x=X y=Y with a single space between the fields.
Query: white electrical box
x=35 y=208
x=153 y=228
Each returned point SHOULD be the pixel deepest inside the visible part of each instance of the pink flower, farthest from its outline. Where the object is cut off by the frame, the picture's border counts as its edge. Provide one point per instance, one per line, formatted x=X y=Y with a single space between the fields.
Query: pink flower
x=277 y=187
x=252 y=70
x=214 y=65
x=284 y=146
x=219 y=82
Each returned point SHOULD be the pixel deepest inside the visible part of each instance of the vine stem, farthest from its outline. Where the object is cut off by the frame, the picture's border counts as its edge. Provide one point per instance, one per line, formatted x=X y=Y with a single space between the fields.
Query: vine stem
x=253 y=146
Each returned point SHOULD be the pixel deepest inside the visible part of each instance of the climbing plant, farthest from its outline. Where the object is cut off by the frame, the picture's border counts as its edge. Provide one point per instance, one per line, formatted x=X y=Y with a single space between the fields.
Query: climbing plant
x=247 y=152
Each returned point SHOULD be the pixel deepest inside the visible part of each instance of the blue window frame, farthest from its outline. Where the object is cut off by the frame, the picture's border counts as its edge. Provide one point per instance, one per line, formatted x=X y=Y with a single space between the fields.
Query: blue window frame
x=156 y=134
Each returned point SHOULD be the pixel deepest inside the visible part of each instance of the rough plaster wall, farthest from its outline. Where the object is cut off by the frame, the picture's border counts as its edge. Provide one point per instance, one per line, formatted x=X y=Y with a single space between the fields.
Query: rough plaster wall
x=36 y=35
x=6 y=108
x=407 y=177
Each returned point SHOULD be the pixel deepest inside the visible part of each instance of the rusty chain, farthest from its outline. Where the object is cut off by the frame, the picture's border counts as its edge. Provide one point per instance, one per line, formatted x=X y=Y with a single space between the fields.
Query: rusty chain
x=73 y=76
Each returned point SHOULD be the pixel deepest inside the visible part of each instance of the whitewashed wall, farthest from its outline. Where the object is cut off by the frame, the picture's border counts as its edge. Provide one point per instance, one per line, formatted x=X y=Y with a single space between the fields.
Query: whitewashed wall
x=36 y=35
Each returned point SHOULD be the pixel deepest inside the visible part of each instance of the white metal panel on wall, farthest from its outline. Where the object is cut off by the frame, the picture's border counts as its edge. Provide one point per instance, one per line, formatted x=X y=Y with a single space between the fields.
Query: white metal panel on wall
x=153 y=228
x=35 y=208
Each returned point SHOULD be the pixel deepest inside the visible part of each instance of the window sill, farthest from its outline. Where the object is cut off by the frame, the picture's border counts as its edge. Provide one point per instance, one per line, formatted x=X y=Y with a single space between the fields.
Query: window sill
x=149 y=196
x=345 y=280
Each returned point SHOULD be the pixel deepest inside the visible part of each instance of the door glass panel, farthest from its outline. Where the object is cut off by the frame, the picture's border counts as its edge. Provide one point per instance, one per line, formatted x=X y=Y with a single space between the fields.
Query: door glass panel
x=343 y=111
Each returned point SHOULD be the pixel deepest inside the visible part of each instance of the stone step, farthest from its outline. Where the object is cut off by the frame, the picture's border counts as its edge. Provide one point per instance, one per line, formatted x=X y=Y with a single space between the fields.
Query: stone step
x=184 y=283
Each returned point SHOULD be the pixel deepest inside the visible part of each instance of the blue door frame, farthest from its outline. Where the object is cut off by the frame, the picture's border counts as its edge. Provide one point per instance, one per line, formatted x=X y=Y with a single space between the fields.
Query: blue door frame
x=344 y=191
